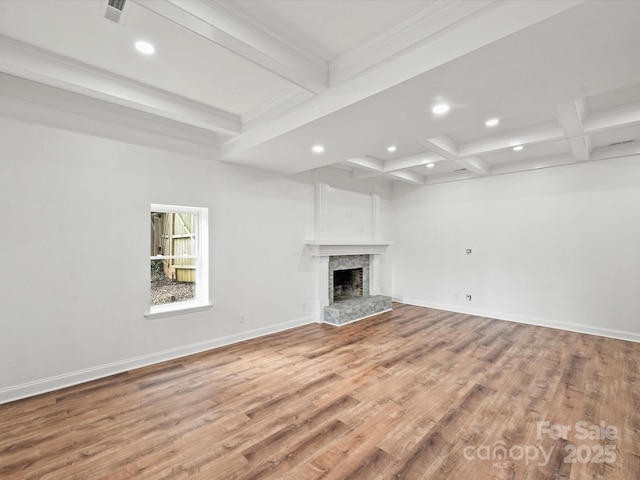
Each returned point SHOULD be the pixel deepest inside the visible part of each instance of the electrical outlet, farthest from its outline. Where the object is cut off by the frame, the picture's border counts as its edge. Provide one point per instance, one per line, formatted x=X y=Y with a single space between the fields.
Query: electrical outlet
x=469 y=297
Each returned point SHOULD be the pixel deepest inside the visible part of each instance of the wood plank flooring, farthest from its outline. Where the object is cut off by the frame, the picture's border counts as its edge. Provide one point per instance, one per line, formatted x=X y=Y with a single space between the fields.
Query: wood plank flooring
x=414 y=393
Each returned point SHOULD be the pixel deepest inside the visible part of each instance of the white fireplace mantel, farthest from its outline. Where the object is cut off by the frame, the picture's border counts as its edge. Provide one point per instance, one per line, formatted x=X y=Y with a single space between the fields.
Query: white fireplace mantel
x=332 y=248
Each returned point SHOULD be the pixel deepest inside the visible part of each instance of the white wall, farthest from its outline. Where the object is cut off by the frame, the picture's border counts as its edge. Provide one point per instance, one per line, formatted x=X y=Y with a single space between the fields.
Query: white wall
x=556 y=247
x=78 y=177
x=74 y=286
x=355 y=211
x=347 y=215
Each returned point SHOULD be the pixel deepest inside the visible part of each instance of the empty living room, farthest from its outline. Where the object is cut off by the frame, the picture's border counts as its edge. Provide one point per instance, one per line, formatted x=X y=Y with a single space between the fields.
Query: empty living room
x=320 y=239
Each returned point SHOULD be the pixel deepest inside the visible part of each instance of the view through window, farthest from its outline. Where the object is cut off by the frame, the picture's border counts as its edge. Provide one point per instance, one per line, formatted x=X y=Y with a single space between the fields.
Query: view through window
x=176 y=257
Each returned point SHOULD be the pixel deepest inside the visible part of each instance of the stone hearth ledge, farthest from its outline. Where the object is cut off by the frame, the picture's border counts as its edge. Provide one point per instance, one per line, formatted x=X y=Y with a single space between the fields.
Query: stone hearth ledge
x=347 y=311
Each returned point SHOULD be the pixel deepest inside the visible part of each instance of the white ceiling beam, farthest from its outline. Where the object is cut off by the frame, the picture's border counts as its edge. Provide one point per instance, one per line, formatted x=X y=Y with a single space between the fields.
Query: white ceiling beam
x=275 y=106
x=367 y=163
x=581 y=147
x=408 y=176
x=358 y=174
x=413 y=161
x=612 y=119
x=442 y=145
x=37 y=103
x=33 y=63
x=617 y=151
x=524 y=137
x=367 y=167
x=446 y=147
x=364 y=174
x=220 y=24
x=435 y=18
x=476 y=165
x=450 y=177
x=534 y=164
x=436 y=21
x=571 y=116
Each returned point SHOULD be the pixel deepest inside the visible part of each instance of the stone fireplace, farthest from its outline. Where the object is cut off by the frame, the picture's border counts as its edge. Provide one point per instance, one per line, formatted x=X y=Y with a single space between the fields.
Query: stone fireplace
x=348 y=281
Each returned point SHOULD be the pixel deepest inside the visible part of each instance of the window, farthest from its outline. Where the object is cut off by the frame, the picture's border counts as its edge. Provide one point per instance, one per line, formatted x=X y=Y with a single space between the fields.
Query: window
x=179 y=260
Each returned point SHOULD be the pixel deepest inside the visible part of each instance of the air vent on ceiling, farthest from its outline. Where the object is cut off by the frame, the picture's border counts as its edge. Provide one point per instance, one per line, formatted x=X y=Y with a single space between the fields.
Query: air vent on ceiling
x=119 y=4
x=615 y=144
x=114 y=10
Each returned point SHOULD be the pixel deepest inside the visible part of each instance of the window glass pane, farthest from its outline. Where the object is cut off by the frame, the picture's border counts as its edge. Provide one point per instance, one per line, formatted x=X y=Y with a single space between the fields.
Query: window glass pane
x=183 y=233
x=173 y=235
x=165 y=290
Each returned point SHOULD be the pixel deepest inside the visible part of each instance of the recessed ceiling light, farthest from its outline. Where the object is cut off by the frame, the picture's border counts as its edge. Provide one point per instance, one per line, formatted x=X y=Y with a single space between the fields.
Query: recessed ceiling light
x=430 y=165
x=492 y=122
x=440 y=108
x=391 y=148
x=517 y=148
x=145 y=47
x=317 y=149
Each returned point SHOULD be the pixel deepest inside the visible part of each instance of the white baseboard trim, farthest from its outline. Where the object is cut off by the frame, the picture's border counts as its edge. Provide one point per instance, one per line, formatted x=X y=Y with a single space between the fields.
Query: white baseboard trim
x=57 y=382
x=569 y=326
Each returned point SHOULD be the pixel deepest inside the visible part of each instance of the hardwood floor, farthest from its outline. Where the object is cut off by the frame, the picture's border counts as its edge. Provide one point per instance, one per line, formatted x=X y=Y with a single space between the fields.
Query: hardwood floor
x=414 y=394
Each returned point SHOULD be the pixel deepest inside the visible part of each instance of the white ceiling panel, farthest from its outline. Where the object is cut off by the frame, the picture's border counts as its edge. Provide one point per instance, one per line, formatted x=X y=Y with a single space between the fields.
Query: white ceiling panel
x=328 y=28
x=615 y=99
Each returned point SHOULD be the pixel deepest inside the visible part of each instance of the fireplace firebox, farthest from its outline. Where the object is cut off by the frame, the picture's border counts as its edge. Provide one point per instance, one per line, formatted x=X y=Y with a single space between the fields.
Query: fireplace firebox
x=347 y=284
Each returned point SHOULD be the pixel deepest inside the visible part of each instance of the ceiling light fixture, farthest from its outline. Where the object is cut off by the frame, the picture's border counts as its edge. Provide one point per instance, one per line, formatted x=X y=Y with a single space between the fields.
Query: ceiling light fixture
x=317 y=149
x=492 y=122
x=430 y=165
x=440 y=108
x=145 y=47
x=391 y=148
x=517 y=148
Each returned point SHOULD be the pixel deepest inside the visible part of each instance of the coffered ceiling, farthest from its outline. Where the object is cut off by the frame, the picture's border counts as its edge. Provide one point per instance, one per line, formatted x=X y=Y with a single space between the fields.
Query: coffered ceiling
x=268 y=80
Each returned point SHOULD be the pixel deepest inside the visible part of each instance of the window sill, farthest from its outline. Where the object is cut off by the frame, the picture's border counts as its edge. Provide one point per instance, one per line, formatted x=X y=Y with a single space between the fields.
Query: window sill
x=177 y=310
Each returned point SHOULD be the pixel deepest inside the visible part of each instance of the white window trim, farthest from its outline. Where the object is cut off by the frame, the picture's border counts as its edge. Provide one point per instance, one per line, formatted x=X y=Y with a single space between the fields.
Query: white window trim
x=201 y=301
x=182 y=310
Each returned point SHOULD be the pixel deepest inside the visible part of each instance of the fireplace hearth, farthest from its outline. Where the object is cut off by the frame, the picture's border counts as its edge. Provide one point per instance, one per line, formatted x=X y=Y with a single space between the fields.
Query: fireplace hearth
x=350 y=295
